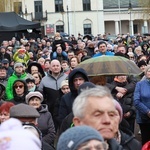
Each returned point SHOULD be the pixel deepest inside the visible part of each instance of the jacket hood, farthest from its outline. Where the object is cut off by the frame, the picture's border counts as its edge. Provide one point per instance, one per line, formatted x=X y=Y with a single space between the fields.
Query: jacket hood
x=71 y=77
x=44 y=108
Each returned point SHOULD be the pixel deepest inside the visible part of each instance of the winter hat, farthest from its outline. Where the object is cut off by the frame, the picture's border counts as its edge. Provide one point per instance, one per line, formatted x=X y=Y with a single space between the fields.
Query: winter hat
x=119 y=109
x=23 y=110
x=78 y=74
x=18 y=64
x=73 y=137
x=30 y=80
x=14 y=137
x=34 y=94
x=85 y=85
x=63 y=83
x=141 y=63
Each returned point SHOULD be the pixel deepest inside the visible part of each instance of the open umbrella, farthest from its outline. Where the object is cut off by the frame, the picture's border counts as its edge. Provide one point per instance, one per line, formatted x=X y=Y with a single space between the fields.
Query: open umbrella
x=109 y=65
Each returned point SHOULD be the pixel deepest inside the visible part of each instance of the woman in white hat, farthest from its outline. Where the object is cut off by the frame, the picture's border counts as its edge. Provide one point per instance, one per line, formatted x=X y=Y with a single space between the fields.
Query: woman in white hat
x=45 y=121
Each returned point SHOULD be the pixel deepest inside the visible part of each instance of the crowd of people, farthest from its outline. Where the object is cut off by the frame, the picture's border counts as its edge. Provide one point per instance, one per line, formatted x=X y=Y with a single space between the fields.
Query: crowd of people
x=66 y=109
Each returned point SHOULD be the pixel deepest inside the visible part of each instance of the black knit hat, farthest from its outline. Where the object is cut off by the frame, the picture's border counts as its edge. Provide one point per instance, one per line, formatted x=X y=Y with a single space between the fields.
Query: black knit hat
x=85 y=85
x=141 y=63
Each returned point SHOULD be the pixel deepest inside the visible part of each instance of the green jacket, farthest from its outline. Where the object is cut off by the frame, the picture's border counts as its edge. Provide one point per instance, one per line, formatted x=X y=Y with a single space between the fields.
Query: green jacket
x=9 y=87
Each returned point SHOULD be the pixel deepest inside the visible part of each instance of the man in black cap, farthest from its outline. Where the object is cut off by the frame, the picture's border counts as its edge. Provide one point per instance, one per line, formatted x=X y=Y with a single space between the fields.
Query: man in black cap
x=28 y=116
x=5 y=63
x=77 y=77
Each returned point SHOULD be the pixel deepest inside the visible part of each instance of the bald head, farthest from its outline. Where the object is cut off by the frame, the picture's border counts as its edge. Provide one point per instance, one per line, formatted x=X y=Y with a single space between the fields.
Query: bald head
x=55 y=67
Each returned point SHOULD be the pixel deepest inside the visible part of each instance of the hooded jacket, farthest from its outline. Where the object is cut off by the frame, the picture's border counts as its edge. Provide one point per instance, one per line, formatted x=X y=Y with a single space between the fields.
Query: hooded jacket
x=68 y=99
x=11 y=79
x=19 y=99
x=46 y=125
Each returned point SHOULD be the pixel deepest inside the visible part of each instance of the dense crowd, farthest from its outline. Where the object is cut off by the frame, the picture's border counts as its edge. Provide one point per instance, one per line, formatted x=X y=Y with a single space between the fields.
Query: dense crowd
x=41 y=86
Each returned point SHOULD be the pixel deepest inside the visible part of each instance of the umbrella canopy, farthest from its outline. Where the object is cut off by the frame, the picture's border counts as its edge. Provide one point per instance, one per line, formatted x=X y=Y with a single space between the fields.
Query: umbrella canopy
x=109 y=65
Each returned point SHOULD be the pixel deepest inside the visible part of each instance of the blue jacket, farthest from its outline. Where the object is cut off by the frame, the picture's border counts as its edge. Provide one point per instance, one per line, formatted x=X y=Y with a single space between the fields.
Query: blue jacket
x=142 y=101
x=106 y=53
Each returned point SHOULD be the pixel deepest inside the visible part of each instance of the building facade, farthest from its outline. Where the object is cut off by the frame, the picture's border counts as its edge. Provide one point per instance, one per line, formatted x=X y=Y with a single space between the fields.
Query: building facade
x=84 y=16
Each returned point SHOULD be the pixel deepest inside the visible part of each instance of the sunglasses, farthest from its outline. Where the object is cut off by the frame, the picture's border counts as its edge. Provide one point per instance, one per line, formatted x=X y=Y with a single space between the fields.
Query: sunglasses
x=20 y=86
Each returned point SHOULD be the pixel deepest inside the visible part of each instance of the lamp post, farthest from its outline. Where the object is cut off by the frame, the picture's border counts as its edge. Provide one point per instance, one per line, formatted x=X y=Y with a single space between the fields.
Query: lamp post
x=68 y=21
x=129 y=11
x=120 y=31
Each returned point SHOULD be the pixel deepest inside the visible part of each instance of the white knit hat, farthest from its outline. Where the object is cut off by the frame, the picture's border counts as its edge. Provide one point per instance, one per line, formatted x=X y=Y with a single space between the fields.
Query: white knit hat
x=14 y=137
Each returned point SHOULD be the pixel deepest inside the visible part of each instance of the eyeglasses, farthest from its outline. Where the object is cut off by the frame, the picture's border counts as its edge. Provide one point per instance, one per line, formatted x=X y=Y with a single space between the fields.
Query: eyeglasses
x=20 y=86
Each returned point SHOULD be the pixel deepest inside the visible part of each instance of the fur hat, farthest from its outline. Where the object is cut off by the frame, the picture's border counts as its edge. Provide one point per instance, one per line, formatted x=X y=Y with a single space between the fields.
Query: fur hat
x=23 y=110
x=34 y=94
x=72 y=138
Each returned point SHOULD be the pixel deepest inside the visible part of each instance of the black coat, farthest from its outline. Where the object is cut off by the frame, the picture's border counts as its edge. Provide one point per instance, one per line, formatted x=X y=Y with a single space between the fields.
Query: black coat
x=56 y=42
x=5 y=56
x=128 y=141
x=127 y=100
x=68 y=99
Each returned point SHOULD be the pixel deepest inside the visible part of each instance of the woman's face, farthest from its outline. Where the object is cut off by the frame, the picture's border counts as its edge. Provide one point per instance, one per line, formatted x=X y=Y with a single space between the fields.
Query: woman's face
x=36 y=78
x=30 y=85
x=19 y=89
x=4 y=116
x=73 y=62
x=35 y=102
x=34 y=69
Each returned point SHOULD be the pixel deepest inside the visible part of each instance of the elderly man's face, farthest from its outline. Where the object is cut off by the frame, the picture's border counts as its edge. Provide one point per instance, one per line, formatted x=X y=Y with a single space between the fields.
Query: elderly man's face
x=3 y=73
x=100 y=113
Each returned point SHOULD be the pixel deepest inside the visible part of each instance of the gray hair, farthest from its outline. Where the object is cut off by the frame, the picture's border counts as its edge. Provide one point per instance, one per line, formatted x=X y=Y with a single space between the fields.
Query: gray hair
x=80 y=102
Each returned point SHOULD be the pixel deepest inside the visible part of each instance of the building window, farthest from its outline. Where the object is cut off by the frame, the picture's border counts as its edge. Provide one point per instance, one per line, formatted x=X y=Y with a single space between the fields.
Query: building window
x=58 y=5
x=38 y=10
x=86 y=5
x=59 y=28
x=18 y=7
x=87 y=28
